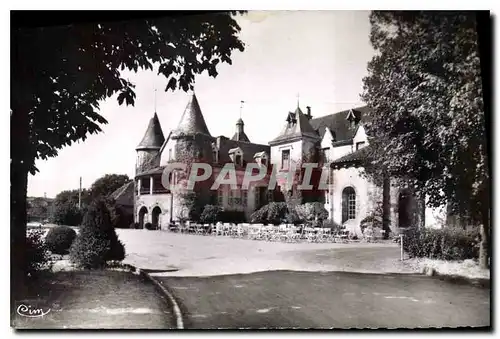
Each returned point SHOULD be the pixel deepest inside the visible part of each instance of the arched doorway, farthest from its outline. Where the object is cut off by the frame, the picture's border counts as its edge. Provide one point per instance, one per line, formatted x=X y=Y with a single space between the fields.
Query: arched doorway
x=155 y=217
x=142 y=212
x=348 y=204
x=406 y=204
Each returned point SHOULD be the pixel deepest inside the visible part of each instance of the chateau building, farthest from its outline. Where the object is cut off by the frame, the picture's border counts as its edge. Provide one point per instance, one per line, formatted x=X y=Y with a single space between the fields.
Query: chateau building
x=337 y=142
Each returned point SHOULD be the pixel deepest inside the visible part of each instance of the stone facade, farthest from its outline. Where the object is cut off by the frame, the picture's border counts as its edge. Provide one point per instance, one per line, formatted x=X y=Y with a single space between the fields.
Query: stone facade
x=336 y=142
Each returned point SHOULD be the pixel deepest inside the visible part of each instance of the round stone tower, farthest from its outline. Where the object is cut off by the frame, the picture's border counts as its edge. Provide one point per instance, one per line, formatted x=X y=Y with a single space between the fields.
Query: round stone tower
x=148 y=150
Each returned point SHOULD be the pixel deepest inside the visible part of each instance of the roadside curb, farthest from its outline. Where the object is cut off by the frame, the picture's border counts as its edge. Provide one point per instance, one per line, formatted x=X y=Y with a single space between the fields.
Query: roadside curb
x=480 y=282
x=173 y=303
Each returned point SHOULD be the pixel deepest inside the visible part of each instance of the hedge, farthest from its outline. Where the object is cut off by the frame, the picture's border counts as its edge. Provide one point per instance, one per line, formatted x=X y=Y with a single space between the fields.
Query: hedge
x=444 y=244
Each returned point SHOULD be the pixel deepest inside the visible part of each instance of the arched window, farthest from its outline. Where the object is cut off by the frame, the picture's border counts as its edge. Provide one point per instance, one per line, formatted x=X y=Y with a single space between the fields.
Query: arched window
x=348 y=204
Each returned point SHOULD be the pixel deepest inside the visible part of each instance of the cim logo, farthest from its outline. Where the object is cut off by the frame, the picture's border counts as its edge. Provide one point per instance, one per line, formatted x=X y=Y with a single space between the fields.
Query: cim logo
x=28 y=311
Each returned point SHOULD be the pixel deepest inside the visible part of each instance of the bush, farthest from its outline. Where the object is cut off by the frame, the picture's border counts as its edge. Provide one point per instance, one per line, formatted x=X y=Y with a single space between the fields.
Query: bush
x=210 y=214
x=235 y=217
x=312 y=211
x=120 y=218
x=59 y=239
x=37 y=255
x=272 y=213
x=149 y=226
x=444 y=244
x=329 y=223
x=97 y=242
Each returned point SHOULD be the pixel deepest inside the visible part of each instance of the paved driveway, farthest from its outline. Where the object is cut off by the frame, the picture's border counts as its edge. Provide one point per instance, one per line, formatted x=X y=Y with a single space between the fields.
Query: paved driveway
x=197 y=255
x=286 y=299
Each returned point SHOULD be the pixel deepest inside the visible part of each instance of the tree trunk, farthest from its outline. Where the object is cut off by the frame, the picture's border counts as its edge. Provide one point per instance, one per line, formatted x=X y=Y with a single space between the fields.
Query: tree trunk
x=20 y=161
x=484 y=246
x=421 y=211
x=386 y=206
x=19 y=184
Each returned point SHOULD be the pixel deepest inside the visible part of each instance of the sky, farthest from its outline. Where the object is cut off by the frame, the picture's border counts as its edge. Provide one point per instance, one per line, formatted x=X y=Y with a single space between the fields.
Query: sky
x=316 y=57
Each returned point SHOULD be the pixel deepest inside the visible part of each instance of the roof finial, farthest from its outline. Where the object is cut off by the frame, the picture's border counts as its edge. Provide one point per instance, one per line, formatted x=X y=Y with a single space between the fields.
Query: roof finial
x=241 y=107
x=298 y=100
x=155 y=99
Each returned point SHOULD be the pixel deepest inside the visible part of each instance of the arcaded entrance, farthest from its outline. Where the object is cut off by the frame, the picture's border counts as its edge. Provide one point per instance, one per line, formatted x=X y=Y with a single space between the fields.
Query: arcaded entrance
x=142 y=212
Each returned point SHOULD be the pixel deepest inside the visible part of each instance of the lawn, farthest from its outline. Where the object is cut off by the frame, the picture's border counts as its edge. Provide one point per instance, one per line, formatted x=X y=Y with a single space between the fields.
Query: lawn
x=93 y=300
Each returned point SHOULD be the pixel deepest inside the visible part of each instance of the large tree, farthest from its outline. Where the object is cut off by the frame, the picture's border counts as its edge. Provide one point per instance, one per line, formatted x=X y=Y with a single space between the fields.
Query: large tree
x=61 y=74
x=427 y=123
x=107 y=184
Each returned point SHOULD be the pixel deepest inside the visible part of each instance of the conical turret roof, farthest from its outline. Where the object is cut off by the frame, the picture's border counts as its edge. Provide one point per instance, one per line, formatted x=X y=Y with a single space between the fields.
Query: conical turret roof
x=153 y=138
x=192 y=120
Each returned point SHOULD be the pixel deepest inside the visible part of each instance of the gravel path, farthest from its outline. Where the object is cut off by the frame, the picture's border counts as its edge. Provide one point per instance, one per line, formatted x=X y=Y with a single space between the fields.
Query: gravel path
x=197 y=255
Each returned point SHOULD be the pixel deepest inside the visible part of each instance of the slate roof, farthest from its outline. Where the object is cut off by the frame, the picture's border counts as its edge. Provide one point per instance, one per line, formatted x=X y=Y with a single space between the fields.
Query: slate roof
x=249 y=149
x=354 y=157
x=192 y=120
x=297 y=125
x=124 y=195
x=153 y=138
x=338 y=124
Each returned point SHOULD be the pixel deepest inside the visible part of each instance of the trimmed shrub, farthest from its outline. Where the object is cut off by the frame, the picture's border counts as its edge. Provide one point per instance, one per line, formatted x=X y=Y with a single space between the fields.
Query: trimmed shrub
x=329 y=223
x=37 y=255
x=312 y=211
x=97 y=242
x=210 y=214
x=149 y=226
x=235 y=217
x=59 y=239
x=444 y=244
x=272 y=213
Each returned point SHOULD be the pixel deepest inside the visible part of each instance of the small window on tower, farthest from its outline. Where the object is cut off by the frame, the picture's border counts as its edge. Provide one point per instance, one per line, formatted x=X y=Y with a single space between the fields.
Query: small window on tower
x=285 y=159
x=263 y=161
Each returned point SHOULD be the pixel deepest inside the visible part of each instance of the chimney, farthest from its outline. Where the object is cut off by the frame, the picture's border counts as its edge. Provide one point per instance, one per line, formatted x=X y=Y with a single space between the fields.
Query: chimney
x=308 y=115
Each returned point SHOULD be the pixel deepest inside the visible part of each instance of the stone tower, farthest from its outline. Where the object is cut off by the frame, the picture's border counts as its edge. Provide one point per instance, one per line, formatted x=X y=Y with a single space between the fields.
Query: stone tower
x=148 y=150
x=193 y=143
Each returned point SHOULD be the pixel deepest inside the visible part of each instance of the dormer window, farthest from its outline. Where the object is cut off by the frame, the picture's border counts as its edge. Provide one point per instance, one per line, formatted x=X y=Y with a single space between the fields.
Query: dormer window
x=238 y=160
x=359 y=145
x=261 y=158
x=353 y=117
x=215 y=153
x=236 y=155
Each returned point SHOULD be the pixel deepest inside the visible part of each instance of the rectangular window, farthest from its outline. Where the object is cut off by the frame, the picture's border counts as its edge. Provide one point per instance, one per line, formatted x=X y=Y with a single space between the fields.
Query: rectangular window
x=220 y=197
x=257 y=197
x=359 y=145
x=352 y=206
x=237 y=160
x=285 y=159
x=244 y=195
x=327 y=194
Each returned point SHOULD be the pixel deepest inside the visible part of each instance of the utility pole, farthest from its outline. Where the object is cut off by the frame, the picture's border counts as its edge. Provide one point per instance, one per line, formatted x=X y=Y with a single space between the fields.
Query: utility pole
x=80 y=195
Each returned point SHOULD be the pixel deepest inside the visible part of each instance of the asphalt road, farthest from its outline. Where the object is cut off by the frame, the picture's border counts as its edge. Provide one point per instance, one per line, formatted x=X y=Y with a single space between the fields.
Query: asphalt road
x=286 y=299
